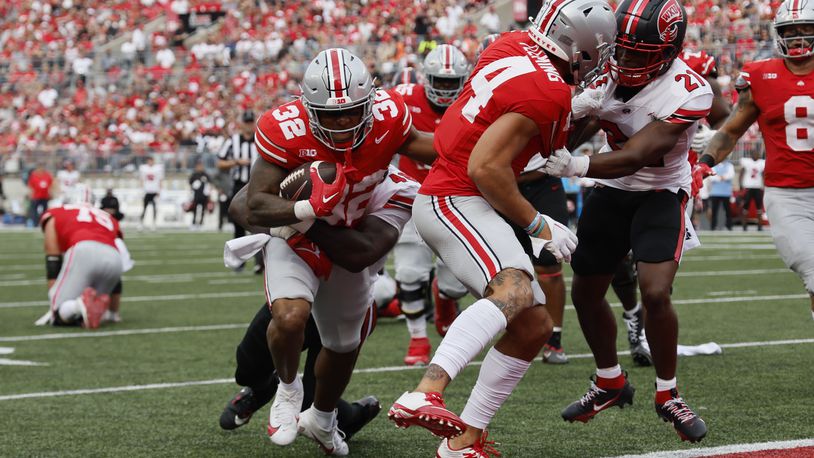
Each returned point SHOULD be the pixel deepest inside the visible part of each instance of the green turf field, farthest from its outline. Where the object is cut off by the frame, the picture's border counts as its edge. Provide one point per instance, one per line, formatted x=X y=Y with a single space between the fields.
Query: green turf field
x=188 y=313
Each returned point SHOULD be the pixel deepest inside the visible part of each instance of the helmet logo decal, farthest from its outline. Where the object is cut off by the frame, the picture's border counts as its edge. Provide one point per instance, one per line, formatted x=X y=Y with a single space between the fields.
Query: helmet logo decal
x=670 y=17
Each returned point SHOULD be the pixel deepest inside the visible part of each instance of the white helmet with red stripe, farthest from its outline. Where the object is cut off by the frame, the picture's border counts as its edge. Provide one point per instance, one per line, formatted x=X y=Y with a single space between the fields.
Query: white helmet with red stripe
x=445 y=71
x=580 y=32
x=794 y=28
x=338 y=90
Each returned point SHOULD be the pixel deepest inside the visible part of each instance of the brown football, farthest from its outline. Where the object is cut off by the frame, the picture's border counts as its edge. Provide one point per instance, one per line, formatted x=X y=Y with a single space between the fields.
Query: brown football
x=297 y=185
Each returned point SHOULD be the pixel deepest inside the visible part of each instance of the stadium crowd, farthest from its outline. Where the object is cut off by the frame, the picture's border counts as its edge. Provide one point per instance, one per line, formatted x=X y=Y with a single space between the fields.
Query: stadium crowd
x=72 y=82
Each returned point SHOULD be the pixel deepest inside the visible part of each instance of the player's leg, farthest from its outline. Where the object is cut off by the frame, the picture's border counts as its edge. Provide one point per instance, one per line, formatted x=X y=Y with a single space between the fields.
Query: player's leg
x=547 y=195
x=413 y=262
x=290 y=289
x=446 y=291
x=748 y=196
x=144 y=202
x=105 y=279
x=155 y=210
x=791 y=213
x=657 y=236
x=626 y=287
x=604 y=234
x=759 y=208
x=64 y=295
x=490 y=261
x=341 y=308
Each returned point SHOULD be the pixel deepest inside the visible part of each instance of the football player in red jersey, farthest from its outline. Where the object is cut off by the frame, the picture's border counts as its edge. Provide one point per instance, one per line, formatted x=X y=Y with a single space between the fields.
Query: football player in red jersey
x=643 y=183
x=779 y=94
x=516 y=103
x=80 y=287
x=340 y=118
x=445 y=70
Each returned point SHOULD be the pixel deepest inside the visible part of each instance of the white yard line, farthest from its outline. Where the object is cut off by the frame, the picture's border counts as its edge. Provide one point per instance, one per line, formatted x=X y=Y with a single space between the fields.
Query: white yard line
x=165 y=297
x=370 y=370
x=727 y=449
x=123 y=332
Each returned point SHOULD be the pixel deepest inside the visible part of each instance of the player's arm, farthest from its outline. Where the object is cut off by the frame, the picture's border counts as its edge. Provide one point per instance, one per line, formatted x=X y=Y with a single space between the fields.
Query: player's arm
x=239 y=212
x=355 y=249
x=490 y=167
x=583 y=130
x=53 y=254
x=266 y=207
x=723 y=142
x=645 y=148
x=720 y=109
x=418 y=146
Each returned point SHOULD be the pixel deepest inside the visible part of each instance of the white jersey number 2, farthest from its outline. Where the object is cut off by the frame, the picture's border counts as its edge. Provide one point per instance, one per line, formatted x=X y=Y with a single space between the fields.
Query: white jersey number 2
x=509 y=68
x=799 y=113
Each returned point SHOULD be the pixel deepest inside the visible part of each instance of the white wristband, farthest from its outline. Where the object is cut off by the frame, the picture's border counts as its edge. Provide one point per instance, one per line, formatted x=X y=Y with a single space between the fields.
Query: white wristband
x=303 y=210
x=581 y=164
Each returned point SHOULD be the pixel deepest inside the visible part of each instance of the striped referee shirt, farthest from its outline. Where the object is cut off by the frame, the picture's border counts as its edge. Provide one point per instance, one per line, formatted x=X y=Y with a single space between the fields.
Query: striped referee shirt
x=236 y=148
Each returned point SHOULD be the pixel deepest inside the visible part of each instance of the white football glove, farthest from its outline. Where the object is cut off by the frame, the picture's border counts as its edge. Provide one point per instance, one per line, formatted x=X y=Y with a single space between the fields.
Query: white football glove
x=562 y=164
x=702 y=138
x=563 y=242
x=587 y=102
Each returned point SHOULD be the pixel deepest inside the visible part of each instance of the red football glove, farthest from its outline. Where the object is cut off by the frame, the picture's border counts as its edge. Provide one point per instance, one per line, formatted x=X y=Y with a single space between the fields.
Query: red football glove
x=699 y=172
x=309 y=252
x=324 y=196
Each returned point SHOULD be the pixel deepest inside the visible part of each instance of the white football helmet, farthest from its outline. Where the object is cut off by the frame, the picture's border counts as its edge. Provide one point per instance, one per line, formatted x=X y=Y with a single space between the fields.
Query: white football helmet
x=580 y=32
x=794 y=12
x=336 y=80
x=445 y=71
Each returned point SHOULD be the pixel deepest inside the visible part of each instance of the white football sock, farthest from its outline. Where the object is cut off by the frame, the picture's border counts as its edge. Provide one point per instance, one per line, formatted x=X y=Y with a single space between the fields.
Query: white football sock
x=469 y=334
x=296 y=385
x=417 y=327
x=69 y=311
x=325 y=420
x=498 y=376
x=609 y=372
x=664 y=385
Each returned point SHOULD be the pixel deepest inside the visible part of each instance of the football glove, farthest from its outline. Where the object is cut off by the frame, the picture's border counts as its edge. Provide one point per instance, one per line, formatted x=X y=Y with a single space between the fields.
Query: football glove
x=563 y=242
x=324 y=196
x=587 y=102
x=702 y=138
x=699 y=172
x=562 y=164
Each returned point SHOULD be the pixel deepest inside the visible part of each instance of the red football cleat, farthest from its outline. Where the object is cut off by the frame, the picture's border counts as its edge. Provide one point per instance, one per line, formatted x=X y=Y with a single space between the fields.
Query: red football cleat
x=428 y=411
x=418 y=353
x=446 y=310
x=391 y=310
x=93 y=307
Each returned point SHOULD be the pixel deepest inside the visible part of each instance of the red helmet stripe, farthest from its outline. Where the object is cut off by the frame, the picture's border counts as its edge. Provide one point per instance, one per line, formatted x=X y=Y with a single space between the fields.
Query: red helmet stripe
x=405 y=76
x=447 y=57
x=335 y=73
x=555 y=6
x=633 y=14
x=795 y=9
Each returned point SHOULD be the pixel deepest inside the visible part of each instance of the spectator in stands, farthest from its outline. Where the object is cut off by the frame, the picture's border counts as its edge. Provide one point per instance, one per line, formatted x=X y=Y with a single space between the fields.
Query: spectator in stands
x=720 y=193
x=491 y=21
x=40 y=182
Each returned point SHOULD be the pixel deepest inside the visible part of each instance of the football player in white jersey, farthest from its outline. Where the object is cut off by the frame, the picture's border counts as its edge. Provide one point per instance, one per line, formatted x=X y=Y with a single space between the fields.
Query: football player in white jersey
x=68 y=178
x=649 y=110
x=751 y=180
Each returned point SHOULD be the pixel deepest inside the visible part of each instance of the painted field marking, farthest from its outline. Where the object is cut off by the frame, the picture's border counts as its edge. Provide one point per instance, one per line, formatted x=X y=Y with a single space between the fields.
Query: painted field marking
x=727 y=449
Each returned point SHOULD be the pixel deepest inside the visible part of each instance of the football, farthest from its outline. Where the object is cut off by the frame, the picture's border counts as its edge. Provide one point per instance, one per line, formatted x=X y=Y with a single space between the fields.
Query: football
x=297 y=185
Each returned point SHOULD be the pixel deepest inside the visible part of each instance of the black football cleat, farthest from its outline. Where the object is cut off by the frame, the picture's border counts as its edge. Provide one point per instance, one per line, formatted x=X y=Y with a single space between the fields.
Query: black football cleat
x=596 y=400
x=636 y=338
x=688 y=425
x=370 y=408
x=240 y=409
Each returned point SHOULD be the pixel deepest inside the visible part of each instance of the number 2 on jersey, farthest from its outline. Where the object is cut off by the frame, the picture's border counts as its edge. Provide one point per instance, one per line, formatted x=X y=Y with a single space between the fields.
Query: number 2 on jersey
x=509 y=67
x=291 y=125
x=799 y=113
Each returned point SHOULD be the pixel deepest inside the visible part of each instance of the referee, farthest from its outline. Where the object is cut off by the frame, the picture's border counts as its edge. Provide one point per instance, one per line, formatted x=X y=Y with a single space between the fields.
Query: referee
x=236 y=157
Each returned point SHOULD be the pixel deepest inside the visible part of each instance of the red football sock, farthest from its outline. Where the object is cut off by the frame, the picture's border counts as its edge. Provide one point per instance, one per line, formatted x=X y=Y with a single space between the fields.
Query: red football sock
x=615 y=383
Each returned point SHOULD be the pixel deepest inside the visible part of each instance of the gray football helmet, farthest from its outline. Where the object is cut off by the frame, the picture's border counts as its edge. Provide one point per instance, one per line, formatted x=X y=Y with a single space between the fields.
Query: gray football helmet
x=580 y=32
x=794 y=12
x=336 y=80
x=445 y=71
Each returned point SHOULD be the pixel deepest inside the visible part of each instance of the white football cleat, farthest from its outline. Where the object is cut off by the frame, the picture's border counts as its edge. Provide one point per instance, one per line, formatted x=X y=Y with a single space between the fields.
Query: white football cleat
x=283 y=416
x=331 y=441
x=480 y=449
